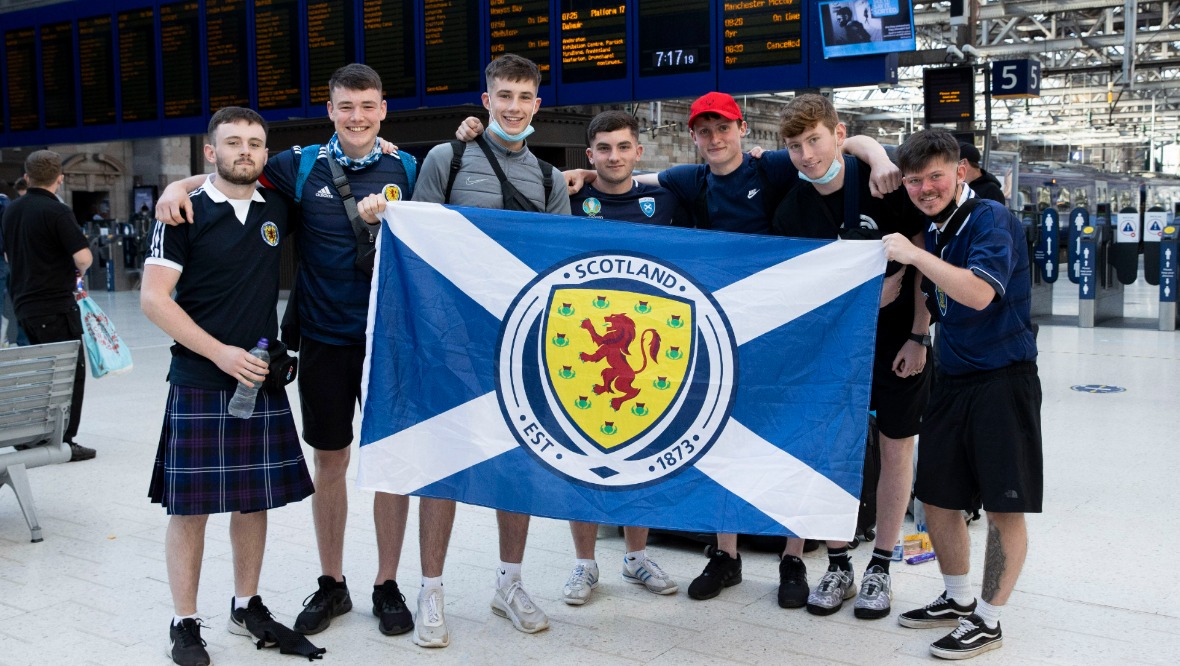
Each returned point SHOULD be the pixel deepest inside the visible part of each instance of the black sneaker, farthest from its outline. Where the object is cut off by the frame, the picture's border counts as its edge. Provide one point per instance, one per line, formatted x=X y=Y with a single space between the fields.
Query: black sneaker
x=941 y=612
x=792 y=582
x=79 y=452
x=185 y=643
x=721 y=571
x=970 y=638
x=322 y=605
x=252 y=621
x=389 y=605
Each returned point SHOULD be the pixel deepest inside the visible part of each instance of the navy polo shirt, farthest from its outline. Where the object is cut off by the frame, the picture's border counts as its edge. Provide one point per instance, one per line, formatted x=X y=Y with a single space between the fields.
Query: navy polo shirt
x=229 y=276
x=646 y=204
x=739 y=200
x=333 y=293
x=991 y=245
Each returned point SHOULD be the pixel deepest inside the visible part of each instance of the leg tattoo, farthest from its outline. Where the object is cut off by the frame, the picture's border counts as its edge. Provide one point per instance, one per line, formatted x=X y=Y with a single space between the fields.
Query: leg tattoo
x=994 y=564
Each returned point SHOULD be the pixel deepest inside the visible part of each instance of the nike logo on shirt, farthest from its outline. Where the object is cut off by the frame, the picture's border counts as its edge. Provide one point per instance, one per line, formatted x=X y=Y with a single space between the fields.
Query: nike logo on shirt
x=751 y=193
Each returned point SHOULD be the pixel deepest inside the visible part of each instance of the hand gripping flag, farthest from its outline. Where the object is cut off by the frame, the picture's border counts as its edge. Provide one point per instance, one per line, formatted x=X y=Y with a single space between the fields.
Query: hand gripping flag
x=620 y=373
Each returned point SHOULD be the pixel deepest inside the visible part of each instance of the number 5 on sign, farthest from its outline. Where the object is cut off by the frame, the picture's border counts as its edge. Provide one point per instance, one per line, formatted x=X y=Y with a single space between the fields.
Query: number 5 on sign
x=1016 y=78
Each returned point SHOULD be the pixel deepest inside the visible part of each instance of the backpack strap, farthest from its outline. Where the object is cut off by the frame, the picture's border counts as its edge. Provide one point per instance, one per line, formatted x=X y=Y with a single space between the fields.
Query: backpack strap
x=307 y=158
x=411 y=167
x=513 y=199
x=546 y=178
x=457 y=149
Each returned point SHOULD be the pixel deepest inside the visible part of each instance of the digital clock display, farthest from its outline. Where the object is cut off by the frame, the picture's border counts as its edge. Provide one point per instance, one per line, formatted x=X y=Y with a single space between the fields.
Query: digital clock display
x=673 y=37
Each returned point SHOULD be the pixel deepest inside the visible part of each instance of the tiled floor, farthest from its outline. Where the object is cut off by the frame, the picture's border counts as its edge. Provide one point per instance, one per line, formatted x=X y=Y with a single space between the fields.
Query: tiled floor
x=1098 y=586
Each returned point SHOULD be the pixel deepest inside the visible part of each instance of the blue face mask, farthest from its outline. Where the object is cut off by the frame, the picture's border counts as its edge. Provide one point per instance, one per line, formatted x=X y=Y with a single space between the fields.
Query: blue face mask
x=828 y=177
x=494 y=128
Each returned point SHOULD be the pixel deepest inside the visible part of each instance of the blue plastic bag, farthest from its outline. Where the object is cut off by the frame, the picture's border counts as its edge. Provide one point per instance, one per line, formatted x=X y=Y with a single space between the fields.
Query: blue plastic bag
x=105 y=350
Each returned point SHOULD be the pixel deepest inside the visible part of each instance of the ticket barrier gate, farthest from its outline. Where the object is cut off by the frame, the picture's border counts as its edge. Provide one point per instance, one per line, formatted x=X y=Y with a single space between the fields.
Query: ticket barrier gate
x=1042 y=291
x=1168 y=259
x=1100 y=294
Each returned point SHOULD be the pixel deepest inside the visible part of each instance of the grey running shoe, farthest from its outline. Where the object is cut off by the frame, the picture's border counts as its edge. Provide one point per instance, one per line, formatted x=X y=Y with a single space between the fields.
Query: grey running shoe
x=970 y=638
x=430 y=629
x=513 y=603
x=876 y=593
x=827 y=597
x=647 y=573
x=941 y=612
x=581 y=583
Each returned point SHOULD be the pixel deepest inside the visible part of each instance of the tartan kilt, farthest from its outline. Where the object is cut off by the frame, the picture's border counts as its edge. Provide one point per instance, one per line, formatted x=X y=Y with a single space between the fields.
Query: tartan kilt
x=210 y=462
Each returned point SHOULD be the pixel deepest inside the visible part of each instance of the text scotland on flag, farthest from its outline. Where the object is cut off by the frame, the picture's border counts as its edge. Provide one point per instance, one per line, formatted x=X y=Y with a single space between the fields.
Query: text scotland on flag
x=620 y=373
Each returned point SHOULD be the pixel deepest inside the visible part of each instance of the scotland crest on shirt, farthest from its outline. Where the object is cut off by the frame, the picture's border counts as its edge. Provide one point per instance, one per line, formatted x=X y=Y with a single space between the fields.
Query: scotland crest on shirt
x=647 y=205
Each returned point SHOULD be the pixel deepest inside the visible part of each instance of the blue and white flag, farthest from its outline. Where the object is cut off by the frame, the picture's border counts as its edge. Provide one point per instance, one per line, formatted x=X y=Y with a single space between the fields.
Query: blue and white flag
x=620 y=373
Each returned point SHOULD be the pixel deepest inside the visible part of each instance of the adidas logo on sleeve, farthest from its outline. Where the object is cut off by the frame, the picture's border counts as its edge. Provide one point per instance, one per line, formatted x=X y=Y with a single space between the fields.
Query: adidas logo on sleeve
x=324 y=193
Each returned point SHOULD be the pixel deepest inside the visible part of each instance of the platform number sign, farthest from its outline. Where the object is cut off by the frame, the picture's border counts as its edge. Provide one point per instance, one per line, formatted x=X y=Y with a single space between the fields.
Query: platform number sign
x=1016 y=78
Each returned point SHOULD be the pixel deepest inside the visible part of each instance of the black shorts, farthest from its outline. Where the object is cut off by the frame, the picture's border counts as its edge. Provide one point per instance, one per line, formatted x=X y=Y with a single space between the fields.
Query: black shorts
x=329 y=391
x=981 y=442
x=899 y=402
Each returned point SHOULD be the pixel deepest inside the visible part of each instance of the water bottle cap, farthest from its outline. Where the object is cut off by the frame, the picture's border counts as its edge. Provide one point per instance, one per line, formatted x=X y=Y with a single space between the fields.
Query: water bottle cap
x=262 y=343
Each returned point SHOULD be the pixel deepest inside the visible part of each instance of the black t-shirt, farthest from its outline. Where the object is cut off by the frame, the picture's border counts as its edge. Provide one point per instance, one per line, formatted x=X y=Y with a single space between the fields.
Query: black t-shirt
x=41 y=237
x=805 y=213
x=229 y=280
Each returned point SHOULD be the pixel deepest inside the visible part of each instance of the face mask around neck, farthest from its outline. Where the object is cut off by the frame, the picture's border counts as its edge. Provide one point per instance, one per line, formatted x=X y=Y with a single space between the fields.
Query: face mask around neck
x=828 y=177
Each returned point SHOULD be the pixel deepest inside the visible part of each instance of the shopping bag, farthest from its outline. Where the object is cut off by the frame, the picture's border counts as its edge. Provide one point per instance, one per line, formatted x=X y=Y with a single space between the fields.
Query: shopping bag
x=105 y=350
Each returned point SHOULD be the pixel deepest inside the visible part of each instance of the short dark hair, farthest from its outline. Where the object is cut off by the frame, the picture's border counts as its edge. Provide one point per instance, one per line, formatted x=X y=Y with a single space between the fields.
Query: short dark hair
x=21 y=184
x=803 y=112
x=925 y=146
x=609 y=121
x=43 y=167
x=233 y=114
x=511 y=67
x=355 y=76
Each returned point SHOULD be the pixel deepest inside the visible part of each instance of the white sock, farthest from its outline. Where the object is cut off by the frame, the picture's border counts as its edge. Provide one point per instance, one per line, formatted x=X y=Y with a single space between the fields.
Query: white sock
x=506 y=572
x=591 y=565
x=431 y=583
x=637 y=556
x=242 y=602
x=988 y=613
x=959 y=589
x=177 y=619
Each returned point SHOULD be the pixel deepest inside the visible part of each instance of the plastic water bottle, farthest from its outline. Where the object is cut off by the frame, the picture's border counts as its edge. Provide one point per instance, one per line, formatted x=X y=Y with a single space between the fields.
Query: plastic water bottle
x=242 y=404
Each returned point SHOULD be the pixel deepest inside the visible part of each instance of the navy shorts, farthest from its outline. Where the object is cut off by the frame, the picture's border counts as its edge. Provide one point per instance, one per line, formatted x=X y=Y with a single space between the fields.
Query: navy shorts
x=329 y=392
x=981 y=442
x=210 y=462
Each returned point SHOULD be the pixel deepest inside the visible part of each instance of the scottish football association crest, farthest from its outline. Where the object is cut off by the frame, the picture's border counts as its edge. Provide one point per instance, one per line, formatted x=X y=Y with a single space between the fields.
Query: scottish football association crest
x=615 y=370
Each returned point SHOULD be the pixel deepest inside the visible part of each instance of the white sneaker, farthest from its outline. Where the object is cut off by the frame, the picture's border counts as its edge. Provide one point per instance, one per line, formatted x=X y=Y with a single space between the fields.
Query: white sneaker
x=430 y=627
x=513 y=603
x=647 y=573
x=580 y=584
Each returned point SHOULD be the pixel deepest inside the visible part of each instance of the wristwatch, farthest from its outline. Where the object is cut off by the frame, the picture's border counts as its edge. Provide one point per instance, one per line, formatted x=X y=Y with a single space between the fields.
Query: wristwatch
x=923 y=340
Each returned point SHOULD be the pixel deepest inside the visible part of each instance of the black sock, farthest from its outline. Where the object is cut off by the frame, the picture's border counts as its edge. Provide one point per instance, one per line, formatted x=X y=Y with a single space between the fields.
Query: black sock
x=881 y=558
x=838 y=559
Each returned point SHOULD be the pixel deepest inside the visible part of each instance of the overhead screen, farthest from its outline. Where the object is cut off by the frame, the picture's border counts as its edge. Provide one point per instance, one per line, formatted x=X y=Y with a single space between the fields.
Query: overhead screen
x=861 y=27
x=96 y=70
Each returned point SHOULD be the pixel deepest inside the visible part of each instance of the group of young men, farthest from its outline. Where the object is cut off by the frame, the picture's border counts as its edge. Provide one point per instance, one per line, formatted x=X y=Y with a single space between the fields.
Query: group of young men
x=981 y=436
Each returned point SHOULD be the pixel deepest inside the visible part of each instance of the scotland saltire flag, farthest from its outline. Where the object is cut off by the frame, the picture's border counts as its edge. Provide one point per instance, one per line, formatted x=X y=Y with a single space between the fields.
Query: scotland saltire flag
x=620 y=373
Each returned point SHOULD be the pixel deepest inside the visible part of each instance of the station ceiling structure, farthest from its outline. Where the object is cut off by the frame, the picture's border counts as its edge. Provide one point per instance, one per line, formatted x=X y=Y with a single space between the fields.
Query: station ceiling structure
x=1110 y=69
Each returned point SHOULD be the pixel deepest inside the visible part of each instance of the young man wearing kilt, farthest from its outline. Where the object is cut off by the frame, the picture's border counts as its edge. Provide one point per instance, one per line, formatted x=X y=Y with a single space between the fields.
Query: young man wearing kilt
x=224 y=268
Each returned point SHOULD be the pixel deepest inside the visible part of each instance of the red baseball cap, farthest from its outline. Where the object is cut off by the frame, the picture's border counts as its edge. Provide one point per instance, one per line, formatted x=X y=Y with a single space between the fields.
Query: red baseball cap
x=714 y=102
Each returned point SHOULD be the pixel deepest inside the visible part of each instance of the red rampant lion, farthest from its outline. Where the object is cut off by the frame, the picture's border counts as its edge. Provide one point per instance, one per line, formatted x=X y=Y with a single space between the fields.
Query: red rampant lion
x=614 y=347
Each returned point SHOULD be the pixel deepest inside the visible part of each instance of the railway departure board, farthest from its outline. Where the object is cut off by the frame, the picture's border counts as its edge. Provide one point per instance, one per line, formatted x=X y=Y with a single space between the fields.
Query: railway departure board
x=522 y=27
x=226 y=65
x=81 y=70
x=390 y=45
x=96 y=75
x=180 y=54
x=57 y=75
x=451 y=48
x=137 y=64
x=20 y=59
x=330 y=42
x=277 y=55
